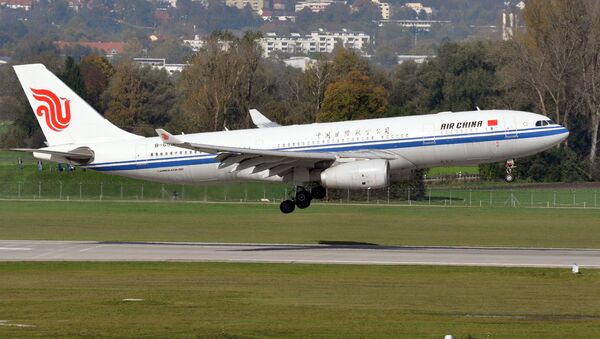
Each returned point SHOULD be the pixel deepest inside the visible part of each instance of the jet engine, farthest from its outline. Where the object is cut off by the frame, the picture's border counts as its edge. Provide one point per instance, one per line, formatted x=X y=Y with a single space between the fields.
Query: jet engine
x=357 y=174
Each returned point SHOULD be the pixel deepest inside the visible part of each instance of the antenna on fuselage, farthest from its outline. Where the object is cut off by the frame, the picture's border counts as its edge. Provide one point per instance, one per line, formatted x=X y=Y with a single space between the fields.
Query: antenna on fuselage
x=477 y=108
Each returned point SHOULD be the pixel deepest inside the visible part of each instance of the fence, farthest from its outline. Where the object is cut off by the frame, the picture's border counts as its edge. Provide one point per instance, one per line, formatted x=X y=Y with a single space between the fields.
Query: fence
x=256 y=192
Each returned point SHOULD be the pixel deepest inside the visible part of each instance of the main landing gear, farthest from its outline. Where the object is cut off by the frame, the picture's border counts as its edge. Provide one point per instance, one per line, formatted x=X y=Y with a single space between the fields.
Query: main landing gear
x=509 y=165
x=302 y=198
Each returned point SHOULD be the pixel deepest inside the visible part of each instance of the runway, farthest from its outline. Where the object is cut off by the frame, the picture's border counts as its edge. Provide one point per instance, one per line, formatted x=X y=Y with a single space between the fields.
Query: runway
x=40 y=250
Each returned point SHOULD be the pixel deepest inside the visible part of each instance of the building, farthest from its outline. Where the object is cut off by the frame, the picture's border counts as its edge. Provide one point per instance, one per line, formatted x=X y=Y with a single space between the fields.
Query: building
x=320 y=41
x=417 y=25
x=196 y=44
x=300 y=62
x=268 y=15
x=316 y=6
x=256 y=5
x=509 y=25
x=418 y=7
x=419 y=59
x=384 y=9
x=159 y=63
x=109 y=49
x=17 y=4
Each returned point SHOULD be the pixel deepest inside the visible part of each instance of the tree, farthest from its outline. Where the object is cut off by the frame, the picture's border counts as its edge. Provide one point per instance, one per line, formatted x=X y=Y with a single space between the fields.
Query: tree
x=140 y=98
x=316 y=78
x=590 y=75
x=218 y=87
x=545 y=53
x=353 y=97
x=96 y=72
x=71 y=76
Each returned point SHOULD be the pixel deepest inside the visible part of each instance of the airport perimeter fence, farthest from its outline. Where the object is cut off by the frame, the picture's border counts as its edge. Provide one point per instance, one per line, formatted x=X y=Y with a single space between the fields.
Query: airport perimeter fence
x=271 y=193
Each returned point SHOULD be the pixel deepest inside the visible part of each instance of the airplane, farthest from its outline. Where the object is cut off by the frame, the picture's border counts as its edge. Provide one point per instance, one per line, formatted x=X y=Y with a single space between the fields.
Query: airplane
x=359 y=154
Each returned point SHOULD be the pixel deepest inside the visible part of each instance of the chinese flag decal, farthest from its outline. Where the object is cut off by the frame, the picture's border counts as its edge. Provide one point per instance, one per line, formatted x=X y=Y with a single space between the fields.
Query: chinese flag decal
x=492 y=122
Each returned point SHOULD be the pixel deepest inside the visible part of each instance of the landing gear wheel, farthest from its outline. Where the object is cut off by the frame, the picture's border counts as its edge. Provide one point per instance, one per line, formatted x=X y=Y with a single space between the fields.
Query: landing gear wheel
x=509 y=165
x=287 y=206
x=303 y=199
x=318 y=192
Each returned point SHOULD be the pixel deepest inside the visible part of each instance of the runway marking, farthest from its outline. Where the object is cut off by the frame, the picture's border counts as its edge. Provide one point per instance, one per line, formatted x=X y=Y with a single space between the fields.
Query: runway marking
x=5 y=323
x=15 y=249
x=90 y=248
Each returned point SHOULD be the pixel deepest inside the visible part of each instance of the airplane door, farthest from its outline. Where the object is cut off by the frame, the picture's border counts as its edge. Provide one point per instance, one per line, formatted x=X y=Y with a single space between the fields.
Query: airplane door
x=510 y=128
x=429 y=134
x=141 y=155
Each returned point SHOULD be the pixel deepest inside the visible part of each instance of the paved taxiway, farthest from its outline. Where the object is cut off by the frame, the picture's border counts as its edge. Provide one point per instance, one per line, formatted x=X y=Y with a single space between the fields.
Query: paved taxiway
x=37 y=250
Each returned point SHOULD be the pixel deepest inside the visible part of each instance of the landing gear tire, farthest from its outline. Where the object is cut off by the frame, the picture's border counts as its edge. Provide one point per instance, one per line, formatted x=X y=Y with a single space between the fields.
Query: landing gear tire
x=287 y=206
x=509 y=165
x=303 y=199
x=318 y=192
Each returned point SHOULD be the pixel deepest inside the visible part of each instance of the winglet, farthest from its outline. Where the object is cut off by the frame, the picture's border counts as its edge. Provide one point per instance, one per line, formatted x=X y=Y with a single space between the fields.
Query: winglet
x=260 y=120
x=167 y=137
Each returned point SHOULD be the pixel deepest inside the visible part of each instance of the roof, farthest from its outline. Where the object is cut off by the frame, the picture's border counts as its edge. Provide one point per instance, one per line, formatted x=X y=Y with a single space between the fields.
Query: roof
x=109 y=48
x=16 y=2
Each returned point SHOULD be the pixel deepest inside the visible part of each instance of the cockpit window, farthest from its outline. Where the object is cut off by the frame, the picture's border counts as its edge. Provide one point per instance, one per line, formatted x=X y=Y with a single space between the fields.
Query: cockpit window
x=544 y=123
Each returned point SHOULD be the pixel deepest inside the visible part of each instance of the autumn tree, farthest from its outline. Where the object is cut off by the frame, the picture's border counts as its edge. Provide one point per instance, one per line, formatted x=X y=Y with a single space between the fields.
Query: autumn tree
x=140 y=98
x=355 y=96
x=218 y=87
x=96 y=72
x=589 y=63
x=315 y=80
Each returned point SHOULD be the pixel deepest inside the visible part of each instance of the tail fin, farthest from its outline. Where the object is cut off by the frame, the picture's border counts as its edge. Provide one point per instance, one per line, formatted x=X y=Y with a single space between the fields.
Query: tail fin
x=65 y=118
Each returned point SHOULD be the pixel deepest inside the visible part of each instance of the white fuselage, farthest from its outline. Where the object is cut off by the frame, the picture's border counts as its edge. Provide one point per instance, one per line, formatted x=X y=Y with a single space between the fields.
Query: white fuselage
x=443 y=139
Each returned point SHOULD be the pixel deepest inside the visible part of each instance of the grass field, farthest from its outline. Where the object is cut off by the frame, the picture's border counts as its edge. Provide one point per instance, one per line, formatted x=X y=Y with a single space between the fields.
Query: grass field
x=452 y=171
x=259 y=300
x=90 y=185
x=385 y=225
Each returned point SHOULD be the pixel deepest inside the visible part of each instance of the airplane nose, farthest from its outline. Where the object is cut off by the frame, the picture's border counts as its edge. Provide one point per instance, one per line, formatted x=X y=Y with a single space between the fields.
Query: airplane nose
x=565 y=133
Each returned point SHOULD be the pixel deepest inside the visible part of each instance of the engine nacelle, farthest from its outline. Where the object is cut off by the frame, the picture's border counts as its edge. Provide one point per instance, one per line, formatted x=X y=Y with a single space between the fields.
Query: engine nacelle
x=357 y=174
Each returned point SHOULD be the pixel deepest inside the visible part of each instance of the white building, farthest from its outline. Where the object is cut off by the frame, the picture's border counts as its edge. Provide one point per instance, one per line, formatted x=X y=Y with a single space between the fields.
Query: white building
x=419 y=59
x=384 y=8
x=316 y=5
x=160 y=63
x=300 y=62
x=17 y=4
x=419 y=25
x=320 y=41
x=256 y=5
x=418 y=7
x=196 y=44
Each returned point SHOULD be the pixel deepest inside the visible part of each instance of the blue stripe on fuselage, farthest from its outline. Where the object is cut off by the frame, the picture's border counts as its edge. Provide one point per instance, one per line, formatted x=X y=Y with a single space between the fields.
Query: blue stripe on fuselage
x=375 y=144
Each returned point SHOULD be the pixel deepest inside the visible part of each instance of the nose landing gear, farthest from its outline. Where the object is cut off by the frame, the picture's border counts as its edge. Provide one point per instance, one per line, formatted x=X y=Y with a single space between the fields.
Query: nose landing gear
x=302 y=199
x=509 y=165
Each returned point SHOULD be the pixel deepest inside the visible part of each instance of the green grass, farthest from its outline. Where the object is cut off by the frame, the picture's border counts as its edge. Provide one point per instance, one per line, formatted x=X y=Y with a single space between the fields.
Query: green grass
x=452 y=171
x=304 y=301
x=385 y=225
x=90 y=185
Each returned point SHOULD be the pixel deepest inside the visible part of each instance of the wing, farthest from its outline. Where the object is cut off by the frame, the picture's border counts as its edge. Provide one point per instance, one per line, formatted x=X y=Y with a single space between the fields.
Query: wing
x=260 y=160
x=260 y=120
x=272 y=162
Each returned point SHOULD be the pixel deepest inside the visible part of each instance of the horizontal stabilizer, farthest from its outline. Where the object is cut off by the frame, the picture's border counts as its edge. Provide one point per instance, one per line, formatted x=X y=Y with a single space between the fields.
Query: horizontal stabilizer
x=81 y=154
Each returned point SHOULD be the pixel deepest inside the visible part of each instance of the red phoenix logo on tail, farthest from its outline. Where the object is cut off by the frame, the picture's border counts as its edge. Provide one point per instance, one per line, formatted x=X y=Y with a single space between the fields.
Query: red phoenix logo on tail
x=57 y=117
